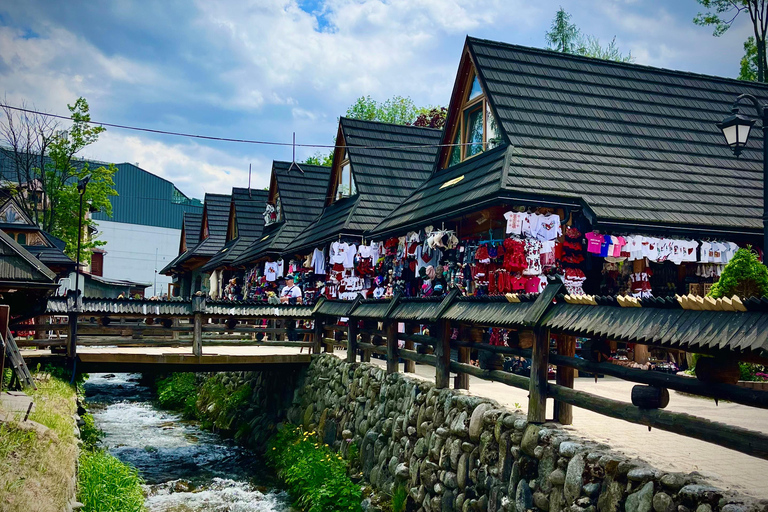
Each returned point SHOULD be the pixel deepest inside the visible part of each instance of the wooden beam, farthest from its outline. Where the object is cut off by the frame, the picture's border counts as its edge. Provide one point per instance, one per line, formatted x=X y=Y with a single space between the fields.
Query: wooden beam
x=197 y=335
x=352 y=329
x=537 y=399
x=510 y=379
x=370 y=347
x=737 y=394
x=462 y=379
x=735 y=438
x=392 y=347
x=566 y=346
x=318 y=336
x=409 y=366
x=412 y=355
x=443 y=355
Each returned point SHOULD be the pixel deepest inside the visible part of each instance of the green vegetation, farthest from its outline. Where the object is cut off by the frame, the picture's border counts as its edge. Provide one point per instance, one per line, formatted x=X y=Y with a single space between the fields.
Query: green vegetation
x=315 y=475
x=399 y=498
x=221 y=405
x=108 y=485
x=564 y=36
x=37 y=463
x=744 y=276
x=178 y=392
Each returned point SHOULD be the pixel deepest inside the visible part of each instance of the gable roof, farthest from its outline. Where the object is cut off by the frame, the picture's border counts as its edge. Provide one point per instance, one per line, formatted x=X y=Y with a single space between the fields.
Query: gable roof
x=635 y=146
x=248 y=209
x=389 y=162
x=302 y=196
x=19 y=267
x=216 y=214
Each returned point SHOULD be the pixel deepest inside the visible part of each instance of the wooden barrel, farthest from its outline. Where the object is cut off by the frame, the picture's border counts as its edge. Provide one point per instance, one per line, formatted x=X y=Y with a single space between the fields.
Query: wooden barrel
x=526 y=338
x=650 y=397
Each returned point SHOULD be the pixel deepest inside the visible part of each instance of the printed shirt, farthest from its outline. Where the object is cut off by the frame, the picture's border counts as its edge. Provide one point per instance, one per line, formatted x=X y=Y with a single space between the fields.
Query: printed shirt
x=270 y=271
x=514 y=222
x=548 y=227
x=594 y=241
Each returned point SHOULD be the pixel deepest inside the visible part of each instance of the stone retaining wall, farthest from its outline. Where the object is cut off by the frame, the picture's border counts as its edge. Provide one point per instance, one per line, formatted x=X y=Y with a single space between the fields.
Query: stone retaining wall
x=455 y=452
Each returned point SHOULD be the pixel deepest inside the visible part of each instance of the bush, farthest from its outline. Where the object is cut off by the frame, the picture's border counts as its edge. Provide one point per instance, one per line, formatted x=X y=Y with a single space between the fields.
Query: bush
x=744 y=276
x=90 y=434
x=105 y=484
x=315 y=475
x=221 y=405
x=178 y=392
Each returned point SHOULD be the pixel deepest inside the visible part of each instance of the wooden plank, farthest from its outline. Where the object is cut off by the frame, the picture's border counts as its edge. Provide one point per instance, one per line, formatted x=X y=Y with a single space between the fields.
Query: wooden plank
x=566 y=346
x=443 y=355
x=197 y=335
x=369 y=347
x=537 y=399
x=735 y=438
x=318 y=336
x=462 y=379
x=410 y=365
x=392 y=347
x=510 y=379
x=190 y=359
x=412 y=355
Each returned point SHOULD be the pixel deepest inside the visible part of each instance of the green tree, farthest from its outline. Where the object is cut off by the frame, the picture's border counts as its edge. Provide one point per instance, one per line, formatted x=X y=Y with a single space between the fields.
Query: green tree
x=566 y=37
x=744 y=276
x=563 y=35
x=749 y=62
x=721 y=14
x=320 y=159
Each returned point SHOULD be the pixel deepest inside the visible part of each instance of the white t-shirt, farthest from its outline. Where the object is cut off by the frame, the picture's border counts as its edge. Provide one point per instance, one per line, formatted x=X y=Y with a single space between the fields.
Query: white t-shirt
x=270 y=271
x=706 y=256
x=339 y=252
x=548 y=227
x=531 y=224
x=514 y=222
x=291 y=291
x=318 y=262
x=280 y=268
x=349 y=257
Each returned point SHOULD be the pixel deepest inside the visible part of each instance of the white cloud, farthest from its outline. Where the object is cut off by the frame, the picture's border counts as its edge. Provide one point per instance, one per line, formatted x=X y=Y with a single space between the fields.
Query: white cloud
x=194 y=168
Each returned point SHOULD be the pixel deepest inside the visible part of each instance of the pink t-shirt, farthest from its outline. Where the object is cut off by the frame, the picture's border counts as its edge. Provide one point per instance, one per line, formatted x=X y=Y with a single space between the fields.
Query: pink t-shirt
x=594 y=242
x=619 y=242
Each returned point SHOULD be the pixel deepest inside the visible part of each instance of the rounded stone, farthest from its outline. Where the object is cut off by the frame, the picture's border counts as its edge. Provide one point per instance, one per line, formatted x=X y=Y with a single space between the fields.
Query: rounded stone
x=663 y=502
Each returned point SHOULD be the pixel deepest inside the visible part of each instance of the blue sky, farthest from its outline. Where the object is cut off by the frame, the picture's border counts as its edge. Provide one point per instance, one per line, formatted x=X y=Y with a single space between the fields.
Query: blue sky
x=264 y=69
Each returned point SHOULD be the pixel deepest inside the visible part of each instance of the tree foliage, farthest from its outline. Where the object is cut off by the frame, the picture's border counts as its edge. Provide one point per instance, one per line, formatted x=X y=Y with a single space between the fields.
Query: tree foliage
x=396 y=110
x=721 y=14
x=566 y=37
x=47 y=172
x=744 y=276
x=749 y=62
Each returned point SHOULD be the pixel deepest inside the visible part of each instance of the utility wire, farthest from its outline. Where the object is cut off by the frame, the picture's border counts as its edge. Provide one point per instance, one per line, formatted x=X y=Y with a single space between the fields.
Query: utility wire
x=243 y=141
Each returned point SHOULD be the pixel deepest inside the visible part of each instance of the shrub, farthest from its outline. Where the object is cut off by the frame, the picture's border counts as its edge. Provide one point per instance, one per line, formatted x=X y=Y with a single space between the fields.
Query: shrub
x=178 y=392
x=744 y=276
x=315 y=475
x=399 y=499
x=105 y=484
x=221 y=405
x=90 y=434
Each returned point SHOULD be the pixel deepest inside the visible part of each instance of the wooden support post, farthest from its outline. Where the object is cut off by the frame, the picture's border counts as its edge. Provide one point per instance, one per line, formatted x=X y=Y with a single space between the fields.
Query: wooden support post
x=641 y=354
x=462 y=379
x=198 y=307
x=5 y=318
x=319 y=332
x=409 y=366
x=72 y=337
x=366 y=355
x=352 y=340
x=392 y=349
x=537 y=398
x=175 y=323
x=566 y=346
x=443 y=354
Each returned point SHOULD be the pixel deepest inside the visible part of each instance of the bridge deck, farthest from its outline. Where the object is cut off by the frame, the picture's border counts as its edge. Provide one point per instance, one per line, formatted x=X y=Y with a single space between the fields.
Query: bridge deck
x=136 y=359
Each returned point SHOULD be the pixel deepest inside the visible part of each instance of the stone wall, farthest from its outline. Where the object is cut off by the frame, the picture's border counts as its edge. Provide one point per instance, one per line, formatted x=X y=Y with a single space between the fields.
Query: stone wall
x=455 y=452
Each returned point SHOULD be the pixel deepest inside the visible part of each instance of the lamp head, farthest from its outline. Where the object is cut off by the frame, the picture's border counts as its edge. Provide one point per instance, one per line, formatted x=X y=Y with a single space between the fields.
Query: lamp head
x=736 y=129
x=81 y=184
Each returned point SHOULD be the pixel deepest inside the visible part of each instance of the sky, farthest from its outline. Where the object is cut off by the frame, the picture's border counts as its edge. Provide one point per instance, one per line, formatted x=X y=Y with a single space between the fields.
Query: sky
x=264 y=69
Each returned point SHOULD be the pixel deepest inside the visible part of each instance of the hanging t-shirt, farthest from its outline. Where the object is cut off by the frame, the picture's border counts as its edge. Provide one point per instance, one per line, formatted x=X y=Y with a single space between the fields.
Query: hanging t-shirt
x=605 y=247
x=318 y=262
x=280 y=268
x=338 y=252
x=270 y=271
x=532 y=257
x=514 y=222
x=705 y=252
x=594 y=242
x=548 y=227
x=531 y=224
x=689 y=251
x=349 y=257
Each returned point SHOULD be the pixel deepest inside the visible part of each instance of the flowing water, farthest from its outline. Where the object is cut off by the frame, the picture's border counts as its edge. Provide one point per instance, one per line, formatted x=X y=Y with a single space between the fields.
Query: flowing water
x=186 y=469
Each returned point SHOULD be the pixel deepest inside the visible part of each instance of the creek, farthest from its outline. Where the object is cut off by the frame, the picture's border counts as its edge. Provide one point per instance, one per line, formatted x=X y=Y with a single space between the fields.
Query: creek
x=186 y=469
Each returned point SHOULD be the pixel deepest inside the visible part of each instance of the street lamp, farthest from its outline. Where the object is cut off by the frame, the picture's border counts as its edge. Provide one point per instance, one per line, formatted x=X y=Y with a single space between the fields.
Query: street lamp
x=81 y=189
x=736 y=128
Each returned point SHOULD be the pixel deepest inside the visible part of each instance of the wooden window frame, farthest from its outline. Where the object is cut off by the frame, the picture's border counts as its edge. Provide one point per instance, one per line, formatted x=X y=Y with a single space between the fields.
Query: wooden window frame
x=461 y=112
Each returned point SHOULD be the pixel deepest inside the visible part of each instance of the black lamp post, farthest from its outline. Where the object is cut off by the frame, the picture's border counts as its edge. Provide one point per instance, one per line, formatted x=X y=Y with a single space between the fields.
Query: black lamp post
x=736 y=128
x=80 y=188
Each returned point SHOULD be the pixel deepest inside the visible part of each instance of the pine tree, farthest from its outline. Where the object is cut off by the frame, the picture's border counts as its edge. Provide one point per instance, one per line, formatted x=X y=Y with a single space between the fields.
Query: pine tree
x=744 y=276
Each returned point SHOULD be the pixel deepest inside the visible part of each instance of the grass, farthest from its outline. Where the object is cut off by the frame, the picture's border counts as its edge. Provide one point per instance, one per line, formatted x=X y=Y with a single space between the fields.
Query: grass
x=36 y=469
x=108 y=485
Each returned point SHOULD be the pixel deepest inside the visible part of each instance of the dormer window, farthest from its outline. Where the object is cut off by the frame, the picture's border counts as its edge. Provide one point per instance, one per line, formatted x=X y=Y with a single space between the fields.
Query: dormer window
x=474 y=129
x=345 y=186
x=273 y=212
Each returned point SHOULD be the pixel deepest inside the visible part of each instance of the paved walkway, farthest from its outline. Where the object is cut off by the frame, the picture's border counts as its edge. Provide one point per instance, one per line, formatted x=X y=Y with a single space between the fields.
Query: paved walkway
x=724 y=468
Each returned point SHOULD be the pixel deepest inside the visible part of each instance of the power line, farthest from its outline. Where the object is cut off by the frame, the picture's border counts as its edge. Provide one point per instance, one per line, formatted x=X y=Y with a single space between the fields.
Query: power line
x=242 y=141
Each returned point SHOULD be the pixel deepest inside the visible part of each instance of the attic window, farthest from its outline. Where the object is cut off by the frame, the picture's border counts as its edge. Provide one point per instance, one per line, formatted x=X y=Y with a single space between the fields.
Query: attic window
x=273 y=212
x=345 y=184
x=474 y=129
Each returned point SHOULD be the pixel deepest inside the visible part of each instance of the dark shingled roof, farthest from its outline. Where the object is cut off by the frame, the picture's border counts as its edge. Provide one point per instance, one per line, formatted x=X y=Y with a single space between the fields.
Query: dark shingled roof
x=302 y=196
x=635 y=145
x=249 y=209
x=384 y=177
x=216 y=209
x=17 y=265
x=192 y=224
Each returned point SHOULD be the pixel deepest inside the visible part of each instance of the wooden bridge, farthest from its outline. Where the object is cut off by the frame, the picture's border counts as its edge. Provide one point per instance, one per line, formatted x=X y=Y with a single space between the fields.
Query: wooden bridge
x=442 y=332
